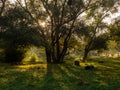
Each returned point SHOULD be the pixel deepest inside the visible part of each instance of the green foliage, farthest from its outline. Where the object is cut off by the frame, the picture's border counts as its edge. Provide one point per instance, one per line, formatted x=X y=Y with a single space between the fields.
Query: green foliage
x=115 y=31
x=14 y=55
x=82 y=29
x=112 y=44
x=17 y=34
x=99 y=42
x=17 y=28
x=107 y=3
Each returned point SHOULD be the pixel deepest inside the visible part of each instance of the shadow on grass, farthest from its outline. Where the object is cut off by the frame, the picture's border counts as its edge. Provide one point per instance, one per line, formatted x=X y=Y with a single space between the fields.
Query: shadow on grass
x=61 y=77
x=53 y=77
x=57 y=77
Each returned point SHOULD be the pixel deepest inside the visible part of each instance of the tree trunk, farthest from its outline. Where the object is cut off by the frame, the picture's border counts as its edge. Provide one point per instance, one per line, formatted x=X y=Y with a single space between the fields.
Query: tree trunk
x=58 y=56
x=56 y=61
x=57 y=51
x=63 y=53
x=48 y=55
x=55 y=54
x=85 y=55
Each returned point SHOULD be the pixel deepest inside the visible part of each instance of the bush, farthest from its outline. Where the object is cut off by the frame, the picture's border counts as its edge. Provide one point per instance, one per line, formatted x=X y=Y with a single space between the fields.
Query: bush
x=14 y=55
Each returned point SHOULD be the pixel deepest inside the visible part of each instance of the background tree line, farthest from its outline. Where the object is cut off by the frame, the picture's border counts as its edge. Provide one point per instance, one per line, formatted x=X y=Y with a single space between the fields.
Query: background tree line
x=53 y=24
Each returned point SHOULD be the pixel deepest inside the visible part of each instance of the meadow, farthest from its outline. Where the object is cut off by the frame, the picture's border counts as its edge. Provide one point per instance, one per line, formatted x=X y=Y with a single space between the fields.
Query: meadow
x=66 y=76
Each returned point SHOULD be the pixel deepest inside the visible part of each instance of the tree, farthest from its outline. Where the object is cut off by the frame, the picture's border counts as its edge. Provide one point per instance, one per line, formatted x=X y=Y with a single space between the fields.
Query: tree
x=114 y=31
x=59 y=17
x=93 y=28
x=90 y=41
x=17 y=33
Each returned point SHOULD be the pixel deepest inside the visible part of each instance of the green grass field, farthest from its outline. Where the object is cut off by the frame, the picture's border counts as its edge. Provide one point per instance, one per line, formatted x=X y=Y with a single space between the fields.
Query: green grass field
x=105 y=76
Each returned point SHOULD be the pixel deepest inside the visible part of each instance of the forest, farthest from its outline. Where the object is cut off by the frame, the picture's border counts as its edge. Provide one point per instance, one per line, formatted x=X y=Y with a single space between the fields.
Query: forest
x=59 y=44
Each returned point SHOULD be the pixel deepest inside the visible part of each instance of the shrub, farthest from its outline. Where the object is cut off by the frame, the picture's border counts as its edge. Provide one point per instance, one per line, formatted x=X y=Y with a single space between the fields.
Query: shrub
x=14 y=55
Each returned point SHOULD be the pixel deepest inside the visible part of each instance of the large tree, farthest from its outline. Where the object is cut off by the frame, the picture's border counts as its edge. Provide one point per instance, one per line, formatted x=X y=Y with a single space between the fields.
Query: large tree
x=55 y=20
x=59 y=17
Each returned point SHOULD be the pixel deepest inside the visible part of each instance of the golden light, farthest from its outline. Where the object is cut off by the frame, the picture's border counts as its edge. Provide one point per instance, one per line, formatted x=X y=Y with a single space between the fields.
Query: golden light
x=42 y=24
x=12 y=1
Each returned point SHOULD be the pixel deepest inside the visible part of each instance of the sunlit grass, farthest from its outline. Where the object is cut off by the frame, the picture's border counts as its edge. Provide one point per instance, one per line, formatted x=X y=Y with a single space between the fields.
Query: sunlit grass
x=34 y=55
x=32 y=59
x=67 y=76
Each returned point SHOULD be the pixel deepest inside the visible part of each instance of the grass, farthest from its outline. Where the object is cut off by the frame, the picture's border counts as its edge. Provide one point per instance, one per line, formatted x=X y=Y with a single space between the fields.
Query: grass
x=105 y=76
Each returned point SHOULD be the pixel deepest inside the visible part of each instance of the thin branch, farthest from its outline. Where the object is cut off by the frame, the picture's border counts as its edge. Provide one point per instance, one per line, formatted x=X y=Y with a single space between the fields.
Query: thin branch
x=41 y=31
x=2 y=7
x=62 y=12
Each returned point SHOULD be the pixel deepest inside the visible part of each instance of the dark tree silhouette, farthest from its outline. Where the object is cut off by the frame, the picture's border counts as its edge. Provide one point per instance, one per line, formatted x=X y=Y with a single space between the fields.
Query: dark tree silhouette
x=17 y=32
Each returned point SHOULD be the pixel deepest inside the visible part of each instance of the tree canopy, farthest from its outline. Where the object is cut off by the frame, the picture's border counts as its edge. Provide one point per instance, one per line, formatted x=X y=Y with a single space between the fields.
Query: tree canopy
x=55 y=22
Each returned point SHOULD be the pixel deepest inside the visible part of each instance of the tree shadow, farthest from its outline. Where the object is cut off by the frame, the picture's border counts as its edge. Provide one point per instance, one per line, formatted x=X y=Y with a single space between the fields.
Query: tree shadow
x=58 y=77
x=49 y=80
x=63 y=77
